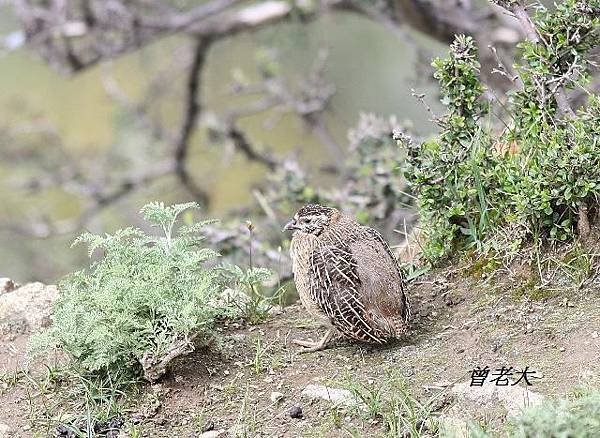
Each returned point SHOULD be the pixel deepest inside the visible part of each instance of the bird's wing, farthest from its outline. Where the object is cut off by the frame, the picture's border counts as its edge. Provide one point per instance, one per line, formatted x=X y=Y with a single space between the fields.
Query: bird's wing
x=335 y=284
x=397 y=287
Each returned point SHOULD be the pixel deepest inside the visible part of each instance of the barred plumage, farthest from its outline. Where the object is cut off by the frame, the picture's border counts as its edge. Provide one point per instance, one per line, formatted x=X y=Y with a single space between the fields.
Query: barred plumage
x=346 y=274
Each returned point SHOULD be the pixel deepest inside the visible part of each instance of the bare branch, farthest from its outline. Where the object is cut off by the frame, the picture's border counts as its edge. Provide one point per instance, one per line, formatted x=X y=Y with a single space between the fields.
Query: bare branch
x=253 y=17
x=97 y=200
x=533 y=36
x=139 y=111
x=245 y=147
x=183 y=20
x=322 y=133
x=130 y=183
x=155 y=367
x=583 y=222
x=526 y=23
x=190 y=116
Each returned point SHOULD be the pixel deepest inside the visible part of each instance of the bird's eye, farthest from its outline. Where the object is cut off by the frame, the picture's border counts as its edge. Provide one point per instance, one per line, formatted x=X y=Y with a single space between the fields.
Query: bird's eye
x=305 y=220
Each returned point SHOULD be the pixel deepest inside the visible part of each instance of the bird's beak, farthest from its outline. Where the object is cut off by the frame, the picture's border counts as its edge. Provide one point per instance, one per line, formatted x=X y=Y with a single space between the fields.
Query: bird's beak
x=291 y=225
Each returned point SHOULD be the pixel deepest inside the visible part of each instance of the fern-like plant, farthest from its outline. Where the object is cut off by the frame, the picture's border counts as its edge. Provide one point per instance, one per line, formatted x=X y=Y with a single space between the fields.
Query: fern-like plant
x=144 y=300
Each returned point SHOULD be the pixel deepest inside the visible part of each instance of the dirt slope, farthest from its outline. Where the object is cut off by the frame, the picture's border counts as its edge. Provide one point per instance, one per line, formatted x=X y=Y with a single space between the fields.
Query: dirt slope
x=247 y=383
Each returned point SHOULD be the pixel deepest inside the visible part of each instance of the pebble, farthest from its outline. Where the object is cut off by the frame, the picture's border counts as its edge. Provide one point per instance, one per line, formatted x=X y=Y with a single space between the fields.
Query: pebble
x=4 y=430
x=337 y=396
x=276 y=396
x=296 y=412
x=7 y=285
x=213 y=434
x=208 y=426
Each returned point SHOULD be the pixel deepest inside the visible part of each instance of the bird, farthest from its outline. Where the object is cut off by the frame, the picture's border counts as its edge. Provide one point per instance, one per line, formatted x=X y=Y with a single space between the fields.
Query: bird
x=346 y=276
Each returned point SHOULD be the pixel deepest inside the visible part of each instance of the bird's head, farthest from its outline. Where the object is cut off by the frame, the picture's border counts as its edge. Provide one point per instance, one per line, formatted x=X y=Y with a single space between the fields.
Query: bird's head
x=311 y=219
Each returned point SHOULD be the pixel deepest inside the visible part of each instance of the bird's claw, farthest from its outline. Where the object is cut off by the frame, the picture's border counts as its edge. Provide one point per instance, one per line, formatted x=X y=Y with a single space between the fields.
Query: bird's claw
x=309 y=346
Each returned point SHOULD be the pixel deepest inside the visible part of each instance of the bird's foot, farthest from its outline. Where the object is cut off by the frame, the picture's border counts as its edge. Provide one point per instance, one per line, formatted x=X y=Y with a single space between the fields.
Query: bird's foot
x=309 y=346
x=312 y=346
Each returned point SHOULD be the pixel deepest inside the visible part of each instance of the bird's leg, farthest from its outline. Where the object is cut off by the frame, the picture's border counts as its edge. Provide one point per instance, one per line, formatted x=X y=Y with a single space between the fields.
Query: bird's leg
x=311 y=346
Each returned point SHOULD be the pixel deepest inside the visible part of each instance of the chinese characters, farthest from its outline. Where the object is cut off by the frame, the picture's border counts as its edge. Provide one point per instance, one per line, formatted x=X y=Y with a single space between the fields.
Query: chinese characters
x=502 y=376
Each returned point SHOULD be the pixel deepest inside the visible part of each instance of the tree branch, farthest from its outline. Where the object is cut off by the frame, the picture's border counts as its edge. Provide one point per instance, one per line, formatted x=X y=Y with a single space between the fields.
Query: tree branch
x=245 y=147
x=192 y=109
x=155 y=367
x=526 y=23
x=180 y=21
x=532 y=35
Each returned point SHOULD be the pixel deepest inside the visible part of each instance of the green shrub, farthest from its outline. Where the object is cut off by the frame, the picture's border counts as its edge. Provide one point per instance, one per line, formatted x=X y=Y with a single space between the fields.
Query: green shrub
x=144 y=300
x=540 y=179
x=579 y=418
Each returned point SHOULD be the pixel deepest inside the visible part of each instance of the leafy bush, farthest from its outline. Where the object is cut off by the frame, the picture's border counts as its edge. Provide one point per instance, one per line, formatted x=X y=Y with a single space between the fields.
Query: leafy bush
x=145 y=299
x=576 y=417
x=540 y=180
x=446 y=173
x=579 y=417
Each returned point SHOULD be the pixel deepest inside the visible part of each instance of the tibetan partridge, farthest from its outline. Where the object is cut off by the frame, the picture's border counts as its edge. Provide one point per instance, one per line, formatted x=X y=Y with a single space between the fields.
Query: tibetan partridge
x=346 y=275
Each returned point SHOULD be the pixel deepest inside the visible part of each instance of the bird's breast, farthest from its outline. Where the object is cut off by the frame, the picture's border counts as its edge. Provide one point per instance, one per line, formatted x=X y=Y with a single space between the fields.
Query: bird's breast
x=301 y=249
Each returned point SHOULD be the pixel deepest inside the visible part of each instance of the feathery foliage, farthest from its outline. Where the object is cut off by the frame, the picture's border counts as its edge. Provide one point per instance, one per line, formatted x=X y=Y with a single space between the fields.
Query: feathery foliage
x=144 y=299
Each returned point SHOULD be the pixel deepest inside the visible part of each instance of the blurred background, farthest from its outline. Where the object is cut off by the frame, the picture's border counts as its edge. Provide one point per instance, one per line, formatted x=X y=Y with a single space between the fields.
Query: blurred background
x=107 y=105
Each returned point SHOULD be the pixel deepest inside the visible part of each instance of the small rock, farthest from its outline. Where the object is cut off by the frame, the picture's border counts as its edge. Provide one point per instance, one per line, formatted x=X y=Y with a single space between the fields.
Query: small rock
x=208 y=426
x=63 y=431
x=296 y=412
x=276 y=310
x=276 y=396
x=595 y=334
x=512 y=398
x=4 y=429
x=335 y=395
x=7 y=285
x=213 y=434
x=26 y=308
